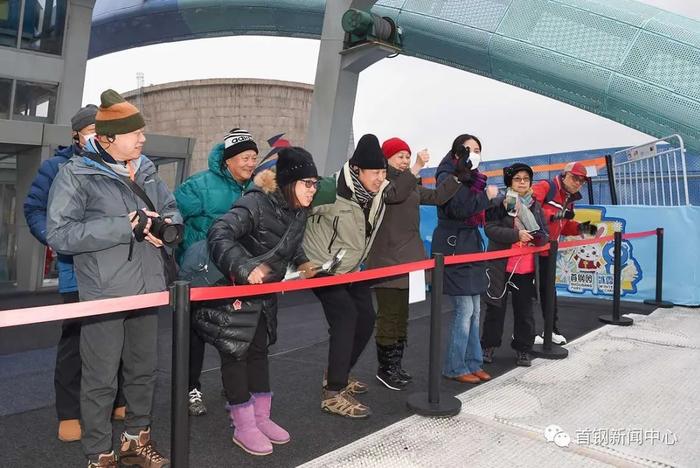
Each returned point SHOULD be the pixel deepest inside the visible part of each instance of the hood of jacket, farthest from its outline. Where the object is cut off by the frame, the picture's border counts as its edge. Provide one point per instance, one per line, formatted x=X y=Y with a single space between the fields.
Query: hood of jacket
x=216 y=164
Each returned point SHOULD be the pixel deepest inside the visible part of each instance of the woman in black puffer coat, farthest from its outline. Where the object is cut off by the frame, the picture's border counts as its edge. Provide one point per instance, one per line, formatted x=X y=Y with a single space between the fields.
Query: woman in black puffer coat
x=251 y=244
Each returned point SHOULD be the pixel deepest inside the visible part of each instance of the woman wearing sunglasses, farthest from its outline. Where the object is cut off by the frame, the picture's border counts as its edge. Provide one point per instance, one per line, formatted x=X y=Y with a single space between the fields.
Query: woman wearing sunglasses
x=251 y=244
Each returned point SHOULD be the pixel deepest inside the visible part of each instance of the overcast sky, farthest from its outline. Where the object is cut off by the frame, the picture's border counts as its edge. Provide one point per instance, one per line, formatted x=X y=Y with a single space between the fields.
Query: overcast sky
x=426 y=104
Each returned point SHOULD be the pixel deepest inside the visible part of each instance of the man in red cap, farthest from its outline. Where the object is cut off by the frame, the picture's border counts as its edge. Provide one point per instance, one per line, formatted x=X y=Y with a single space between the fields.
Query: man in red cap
x=557 y=197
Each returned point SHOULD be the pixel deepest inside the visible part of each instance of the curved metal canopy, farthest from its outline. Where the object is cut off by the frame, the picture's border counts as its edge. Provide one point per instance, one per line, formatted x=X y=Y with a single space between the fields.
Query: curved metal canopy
x=621 y=59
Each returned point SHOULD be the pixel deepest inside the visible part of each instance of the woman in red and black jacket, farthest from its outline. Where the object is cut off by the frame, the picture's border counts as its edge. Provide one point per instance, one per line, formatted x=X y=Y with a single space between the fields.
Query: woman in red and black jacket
x=557 y=197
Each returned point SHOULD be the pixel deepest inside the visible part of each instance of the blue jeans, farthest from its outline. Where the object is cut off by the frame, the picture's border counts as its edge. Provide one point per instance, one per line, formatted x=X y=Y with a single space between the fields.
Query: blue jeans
x=463 y=354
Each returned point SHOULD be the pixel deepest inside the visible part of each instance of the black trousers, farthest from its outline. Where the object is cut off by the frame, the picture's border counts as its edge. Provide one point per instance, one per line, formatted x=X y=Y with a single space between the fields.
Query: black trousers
x=543 y=264
x=523 y=317
x=350 y=315
x=196 y=356
x=251 y=374
x=66 y=379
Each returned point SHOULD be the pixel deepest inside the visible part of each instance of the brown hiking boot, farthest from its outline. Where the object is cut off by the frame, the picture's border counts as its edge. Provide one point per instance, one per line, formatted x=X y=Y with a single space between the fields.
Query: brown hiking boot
x=105 y=460
x=355 y=386
x=141 y=452
x=69 y=430
x=343 y=403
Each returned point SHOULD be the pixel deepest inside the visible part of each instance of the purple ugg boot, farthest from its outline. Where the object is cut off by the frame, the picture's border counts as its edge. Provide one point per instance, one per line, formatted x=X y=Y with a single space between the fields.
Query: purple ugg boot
x=262 y=403
x=246 y=434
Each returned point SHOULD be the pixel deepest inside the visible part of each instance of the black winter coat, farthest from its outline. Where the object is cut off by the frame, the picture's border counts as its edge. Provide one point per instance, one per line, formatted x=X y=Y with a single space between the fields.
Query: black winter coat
x=501 y=233
x=260 y=228
x=453 y=236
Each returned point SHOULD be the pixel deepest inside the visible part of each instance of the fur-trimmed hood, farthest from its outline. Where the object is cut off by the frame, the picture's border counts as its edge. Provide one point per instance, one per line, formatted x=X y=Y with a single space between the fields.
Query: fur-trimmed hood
x=266 y=180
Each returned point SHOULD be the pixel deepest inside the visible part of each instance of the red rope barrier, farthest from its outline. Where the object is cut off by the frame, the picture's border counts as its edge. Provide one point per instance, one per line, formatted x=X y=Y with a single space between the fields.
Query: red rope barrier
x=10 y=318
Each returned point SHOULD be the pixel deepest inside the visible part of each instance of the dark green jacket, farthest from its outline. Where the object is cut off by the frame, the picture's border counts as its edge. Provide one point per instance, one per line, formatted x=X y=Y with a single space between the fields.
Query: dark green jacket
x=206 y=196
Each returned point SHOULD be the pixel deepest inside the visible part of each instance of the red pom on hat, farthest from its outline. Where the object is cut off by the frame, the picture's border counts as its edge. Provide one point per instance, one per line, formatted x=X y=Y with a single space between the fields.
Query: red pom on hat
x=393 y=146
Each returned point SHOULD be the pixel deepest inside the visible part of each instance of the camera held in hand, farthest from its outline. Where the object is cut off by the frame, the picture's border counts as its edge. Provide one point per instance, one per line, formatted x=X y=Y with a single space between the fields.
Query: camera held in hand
x=170 y=233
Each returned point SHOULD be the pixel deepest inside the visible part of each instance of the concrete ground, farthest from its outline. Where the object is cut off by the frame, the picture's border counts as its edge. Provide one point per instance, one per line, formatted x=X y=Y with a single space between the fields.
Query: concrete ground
x=28 y=421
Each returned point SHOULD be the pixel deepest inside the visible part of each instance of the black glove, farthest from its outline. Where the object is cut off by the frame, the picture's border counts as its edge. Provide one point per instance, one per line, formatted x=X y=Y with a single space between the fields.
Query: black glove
x=588 y=228
x=463 y=169
x=565 y=214
x=138 y=229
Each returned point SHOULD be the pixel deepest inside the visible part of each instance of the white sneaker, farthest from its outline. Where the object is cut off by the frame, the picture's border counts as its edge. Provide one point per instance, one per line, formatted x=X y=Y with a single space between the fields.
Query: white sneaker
x=556 y=339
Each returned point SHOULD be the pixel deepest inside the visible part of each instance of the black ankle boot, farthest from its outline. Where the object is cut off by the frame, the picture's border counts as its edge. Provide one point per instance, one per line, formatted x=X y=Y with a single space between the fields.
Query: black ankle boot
x=388 y=371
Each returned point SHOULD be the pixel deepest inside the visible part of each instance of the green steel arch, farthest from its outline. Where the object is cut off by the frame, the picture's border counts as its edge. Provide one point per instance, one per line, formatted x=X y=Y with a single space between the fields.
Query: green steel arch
x=621 y=59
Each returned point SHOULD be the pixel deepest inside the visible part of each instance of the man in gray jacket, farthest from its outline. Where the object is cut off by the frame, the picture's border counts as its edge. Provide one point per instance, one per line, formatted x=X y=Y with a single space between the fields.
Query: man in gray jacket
x=96 y=216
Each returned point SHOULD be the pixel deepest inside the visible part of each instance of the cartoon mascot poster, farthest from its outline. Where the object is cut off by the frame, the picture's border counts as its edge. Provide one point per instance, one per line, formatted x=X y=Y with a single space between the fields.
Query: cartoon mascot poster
x=590 y=268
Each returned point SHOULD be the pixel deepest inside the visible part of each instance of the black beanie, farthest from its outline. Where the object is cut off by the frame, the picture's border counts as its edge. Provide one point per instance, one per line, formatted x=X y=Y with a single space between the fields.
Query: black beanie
x=84 y=117
x=294 y=163
x=368 y=154
x=510 y=171
x=237 y=141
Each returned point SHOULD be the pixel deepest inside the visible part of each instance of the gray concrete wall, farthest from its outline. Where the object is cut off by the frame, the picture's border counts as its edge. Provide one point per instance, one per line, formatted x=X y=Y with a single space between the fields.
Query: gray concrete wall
x=208 y=109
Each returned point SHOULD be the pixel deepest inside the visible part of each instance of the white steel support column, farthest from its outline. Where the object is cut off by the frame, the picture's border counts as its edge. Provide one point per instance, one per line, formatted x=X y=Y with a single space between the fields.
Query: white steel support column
x=333 y=105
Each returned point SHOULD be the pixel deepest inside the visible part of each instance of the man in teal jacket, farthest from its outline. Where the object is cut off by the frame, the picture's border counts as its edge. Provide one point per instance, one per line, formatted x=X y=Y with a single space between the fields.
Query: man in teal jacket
x=203 y=198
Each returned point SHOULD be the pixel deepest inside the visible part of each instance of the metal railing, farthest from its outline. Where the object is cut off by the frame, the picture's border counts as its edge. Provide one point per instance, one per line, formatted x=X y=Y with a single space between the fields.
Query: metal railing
x=652 y=174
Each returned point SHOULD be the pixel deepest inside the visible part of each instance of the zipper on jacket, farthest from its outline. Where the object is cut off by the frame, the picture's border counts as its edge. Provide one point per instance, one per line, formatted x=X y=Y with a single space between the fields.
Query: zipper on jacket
x=335 y=233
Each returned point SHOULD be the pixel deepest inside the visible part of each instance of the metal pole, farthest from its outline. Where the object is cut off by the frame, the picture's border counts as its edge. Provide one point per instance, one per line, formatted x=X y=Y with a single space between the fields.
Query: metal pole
x=590 y=192
x=180 y=431
x=547 y=350
x=659 y=302
x=435 y=331
x=615 y=318
x=432 y=403
x=611 y=178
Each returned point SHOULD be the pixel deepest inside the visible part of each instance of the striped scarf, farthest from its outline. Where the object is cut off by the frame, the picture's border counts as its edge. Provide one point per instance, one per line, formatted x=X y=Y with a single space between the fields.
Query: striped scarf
x=364 y=197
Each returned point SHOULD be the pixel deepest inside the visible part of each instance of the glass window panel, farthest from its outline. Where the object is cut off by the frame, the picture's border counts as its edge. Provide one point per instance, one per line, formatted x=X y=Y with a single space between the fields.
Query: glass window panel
x=35 y=102
x=9 y=22
x=5 y=91
x=8 y=240
x=42 y=28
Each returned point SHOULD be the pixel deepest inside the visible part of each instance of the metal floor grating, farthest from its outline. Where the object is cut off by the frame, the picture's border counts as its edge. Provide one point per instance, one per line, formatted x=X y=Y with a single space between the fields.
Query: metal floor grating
x=626 y=396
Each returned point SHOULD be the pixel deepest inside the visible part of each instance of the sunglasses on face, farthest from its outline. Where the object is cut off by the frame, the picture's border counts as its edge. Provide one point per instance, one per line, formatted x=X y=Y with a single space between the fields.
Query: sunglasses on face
x=577 y=179
x=310 y=183
x=521 y=179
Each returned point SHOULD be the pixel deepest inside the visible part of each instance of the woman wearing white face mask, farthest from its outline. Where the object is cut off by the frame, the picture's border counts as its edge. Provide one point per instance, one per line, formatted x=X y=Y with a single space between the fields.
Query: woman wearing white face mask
x=457 y=233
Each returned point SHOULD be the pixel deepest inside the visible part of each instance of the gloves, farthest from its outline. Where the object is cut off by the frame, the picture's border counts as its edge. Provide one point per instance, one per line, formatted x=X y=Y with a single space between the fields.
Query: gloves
x=566 y=214
x=463 y=167
x=587 y=228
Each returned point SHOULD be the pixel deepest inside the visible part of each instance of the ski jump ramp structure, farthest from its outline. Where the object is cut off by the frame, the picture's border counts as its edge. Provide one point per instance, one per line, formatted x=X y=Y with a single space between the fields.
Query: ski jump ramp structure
x=621 y=59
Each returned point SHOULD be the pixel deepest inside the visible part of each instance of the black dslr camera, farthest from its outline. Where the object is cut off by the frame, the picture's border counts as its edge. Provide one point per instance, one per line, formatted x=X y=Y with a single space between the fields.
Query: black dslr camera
x=169 y=233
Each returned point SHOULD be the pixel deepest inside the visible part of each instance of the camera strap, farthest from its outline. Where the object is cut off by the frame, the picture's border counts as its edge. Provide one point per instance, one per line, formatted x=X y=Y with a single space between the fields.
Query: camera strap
x=136 y=188
x=170 y=264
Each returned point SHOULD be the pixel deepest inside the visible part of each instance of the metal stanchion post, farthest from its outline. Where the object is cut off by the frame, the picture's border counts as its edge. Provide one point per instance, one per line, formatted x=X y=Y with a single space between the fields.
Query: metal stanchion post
x=615 y=318
x=180 y=430
x=432 y=403
x=658 y=301
x=548 y=350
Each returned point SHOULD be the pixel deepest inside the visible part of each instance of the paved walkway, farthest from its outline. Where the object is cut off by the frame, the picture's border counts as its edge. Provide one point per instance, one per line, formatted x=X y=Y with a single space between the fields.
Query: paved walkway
x=626 y=396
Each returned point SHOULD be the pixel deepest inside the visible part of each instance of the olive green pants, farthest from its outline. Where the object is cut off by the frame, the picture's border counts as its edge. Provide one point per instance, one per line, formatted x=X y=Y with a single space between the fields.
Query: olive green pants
x=392 y=315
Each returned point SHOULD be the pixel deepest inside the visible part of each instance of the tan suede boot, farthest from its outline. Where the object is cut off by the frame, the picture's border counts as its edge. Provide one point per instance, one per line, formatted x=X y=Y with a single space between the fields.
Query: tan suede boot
x=69 y=430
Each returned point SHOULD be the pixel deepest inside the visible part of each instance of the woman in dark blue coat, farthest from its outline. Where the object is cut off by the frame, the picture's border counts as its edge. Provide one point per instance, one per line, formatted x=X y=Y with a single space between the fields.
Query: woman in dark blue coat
x=457 y=233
